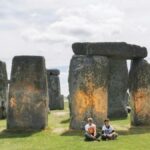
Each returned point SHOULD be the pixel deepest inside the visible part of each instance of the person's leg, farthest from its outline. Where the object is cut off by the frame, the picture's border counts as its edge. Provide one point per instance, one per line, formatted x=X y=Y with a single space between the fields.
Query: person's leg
x=104 y=137
x=114 y=136
x=98 y=135
x=88 y=137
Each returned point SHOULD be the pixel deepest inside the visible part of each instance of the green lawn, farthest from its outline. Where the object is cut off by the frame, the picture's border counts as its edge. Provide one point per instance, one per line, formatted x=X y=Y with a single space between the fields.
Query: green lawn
x=57 y=136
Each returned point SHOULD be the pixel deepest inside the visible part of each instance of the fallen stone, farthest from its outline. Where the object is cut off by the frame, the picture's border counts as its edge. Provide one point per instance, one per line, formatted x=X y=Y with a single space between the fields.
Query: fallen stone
x=110 y=49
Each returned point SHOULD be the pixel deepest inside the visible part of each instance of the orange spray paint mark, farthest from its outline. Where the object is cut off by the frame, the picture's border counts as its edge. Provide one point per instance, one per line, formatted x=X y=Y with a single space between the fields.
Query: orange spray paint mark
x=13 y=102
x=96 y=101
x=142 y=101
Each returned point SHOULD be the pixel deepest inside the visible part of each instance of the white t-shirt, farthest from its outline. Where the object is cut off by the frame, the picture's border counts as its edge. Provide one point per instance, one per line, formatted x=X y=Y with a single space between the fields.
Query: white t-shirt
x=107 y=130
x=90 y=128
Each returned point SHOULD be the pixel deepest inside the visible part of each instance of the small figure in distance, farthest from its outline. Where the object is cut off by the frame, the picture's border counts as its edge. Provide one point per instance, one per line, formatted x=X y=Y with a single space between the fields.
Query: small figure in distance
x=108 y=132
x=90 y=131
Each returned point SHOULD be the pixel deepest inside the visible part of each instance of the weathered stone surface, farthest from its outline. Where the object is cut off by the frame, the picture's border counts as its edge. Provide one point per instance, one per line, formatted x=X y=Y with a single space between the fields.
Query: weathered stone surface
x=140 y=92
x=117 y=89
x=88 y=85
x=110 y=49
x=3 y=90
x=56 y=100
x=28 y=95
x=54 y=72
x=61 y=99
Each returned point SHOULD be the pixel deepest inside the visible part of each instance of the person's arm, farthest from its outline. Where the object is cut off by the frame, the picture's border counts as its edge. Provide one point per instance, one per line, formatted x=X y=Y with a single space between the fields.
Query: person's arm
x=86 y=128
x=95 y=131
x=112 y=129
x=103 y=130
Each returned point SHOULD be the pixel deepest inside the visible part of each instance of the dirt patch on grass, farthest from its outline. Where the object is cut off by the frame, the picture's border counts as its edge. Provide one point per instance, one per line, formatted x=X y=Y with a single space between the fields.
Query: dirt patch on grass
x=59 y=130
x=60 y=114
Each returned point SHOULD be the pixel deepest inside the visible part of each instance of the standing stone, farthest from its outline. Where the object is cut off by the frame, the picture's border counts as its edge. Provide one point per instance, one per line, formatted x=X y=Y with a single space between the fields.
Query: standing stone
x=88 y=83
x=3 y=90
x=56 y=100
x=28 y=95
x=140 y=92
x=117 y=89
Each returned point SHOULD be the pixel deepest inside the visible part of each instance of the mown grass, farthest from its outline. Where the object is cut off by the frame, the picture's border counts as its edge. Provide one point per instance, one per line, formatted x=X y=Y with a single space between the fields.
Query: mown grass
x=58 y=136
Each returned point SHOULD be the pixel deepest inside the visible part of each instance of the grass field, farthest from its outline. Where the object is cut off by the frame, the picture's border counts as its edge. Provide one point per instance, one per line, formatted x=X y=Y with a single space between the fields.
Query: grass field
x=58 y=136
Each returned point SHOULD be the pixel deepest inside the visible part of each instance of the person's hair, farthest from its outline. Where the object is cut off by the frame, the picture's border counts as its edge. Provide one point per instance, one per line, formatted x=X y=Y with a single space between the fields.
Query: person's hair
x=106 y=120
x=90 y=119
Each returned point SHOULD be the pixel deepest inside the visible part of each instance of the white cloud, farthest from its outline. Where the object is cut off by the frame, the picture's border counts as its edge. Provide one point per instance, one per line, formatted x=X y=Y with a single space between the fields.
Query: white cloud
x=49 y=27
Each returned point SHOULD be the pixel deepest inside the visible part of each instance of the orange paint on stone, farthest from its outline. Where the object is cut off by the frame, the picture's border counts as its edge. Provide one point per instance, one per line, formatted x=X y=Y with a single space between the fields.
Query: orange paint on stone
x=13 y=102
x=140 y=98
x=96 y=101
x=100 y=100
x=142 y=102
x=82 y=102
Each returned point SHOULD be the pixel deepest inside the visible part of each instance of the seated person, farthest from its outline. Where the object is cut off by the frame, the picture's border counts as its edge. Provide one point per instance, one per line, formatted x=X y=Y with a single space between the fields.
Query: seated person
x=90 y=134
x=108 y=132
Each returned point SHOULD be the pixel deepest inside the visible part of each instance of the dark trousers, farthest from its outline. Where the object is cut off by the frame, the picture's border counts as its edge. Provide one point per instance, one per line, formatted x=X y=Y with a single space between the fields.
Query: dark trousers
x=89 y=137
x=112 y=137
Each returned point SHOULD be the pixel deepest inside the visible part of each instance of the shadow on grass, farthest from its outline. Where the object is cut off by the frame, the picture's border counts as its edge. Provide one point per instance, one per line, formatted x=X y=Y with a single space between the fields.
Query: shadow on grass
x=130 y=131
x=73 y=133
x=118 y=119
x=134 y=131
x=65 y=121
x=16 y=133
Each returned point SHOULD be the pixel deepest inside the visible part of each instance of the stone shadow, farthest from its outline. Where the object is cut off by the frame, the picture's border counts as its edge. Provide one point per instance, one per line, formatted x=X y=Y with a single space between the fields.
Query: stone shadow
x=73 y=133
x=65 y=121
x=130 y=131
x=6 y=134
x=134 y=131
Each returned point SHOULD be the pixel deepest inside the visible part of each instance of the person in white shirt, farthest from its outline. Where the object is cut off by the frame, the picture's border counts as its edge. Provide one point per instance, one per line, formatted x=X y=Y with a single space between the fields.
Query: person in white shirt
x=90 y=131
x=108 y=132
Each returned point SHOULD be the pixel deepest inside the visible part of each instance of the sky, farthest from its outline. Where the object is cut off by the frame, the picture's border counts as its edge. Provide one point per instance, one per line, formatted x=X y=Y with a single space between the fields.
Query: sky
x=49 y=27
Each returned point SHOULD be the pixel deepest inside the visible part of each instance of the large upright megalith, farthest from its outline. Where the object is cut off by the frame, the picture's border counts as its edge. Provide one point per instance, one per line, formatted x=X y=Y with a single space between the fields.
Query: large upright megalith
x=28 y=94
x=88 y=87
x=56 y=100
x=117 y=89
x=3 y=90
x=140 y=92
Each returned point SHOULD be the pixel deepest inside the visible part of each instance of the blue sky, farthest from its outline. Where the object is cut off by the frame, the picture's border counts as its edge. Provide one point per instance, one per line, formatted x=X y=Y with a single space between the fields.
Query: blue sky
x=49 y=27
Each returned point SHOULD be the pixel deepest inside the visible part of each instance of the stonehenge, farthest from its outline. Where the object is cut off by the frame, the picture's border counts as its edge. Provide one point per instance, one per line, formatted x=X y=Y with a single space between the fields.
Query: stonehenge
x=84 y=73
x=28 y=94
x=98 y=87
x=3 y=90
x=140 y=92
x=56 y=100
